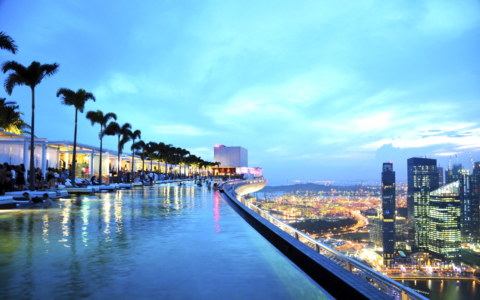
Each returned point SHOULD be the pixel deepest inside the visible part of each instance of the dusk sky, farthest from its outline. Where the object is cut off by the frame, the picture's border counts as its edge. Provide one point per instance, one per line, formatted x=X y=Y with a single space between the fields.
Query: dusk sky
x=315 y=90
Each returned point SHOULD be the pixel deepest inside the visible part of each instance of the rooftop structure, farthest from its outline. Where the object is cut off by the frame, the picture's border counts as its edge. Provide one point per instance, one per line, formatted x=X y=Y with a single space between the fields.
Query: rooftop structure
x=230 y=156
x=14 y=150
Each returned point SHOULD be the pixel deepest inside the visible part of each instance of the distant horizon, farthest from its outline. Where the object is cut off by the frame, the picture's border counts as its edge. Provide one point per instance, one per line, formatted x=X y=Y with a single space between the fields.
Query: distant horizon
x=316 y=90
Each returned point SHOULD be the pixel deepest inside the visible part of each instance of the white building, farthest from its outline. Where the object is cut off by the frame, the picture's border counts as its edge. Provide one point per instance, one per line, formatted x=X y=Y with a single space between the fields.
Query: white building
x=230 y=156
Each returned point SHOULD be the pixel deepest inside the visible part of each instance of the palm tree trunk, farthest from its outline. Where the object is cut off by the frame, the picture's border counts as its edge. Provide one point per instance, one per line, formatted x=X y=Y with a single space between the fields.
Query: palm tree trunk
x=32 y=146
x=118 y=159
x=132 y=175
x=100 y=163
x=74 y=158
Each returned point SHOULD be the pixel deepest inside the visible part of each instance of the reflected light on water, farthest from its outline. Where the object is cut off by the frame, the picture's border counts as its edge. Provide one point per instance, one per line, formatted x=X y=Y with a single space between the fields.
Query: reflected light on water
x=85 y=213
x=45 y=228
x=106 y=206
x=176 y=199
x=117 y=206
x=65 y=223
x=216 y=212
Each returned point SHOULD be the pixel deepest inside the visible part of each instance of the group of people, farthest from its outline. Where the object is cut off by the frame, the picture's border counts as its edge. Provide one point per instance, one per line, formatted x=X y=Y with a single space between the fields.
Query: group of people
x=16 y=178
x=12 y=178
x=36 y=202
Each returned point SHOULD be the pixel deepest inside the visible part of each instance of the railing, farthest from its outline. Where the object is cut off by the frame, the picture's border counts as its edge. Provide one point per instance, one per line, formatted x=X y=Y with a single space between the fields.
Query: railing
x=380 y=281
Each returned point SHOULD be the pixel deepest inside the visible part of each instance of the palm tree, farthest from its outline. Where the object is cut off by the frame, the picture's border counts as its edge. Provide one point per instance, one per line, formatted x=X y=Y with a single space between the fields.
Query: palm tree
x=182 y=155
x=76 y=99
x=137 y=134
x=30 y=76
x=150 y=149
x=164 y=153
x=7 y=43
x=140 y=145
x=10 y=118
x=122 y=137
x=97 y=117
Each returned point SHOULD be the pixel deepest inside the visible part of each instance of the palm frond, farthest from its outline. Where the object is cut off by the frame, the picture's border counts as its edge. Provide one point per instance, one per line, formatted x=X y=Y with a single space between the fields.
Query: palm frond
x=13 y=80
x=13 y=66
x=7 y=43
x=109 y=116
x=49 y=69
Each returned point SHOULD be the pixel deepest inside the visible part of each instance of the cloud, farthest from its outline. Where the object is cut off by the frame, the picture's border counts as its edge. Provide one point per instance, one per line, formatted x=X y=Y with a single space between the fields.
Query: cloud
x=286 y=98
x=203 y=152
x=180 y=130
x=450 y=17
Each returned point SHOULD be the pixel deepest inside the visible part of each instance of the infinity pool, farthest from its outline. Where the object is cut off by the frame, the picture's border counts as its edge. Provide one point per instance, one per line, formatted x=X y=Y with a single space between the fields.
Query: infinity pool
x=161 y=242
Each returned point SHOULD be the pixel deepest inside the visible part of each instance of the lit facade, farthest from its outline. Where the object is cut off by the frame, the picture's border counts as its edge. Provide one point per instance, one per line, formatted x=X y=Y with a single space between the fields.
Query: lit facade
x=444 y=223
x=230 y=156
x=440 y=176
x=388 y=211
x=471 y=207
x=422 y=179
x=454 y=174
x=15 y=150
x=375 y=230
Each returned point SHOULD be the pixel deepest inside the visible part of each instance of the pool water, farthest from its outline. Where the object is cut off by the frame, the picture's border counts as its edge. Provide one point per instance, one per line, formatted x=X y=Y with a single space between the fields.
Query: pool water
x=161 y=242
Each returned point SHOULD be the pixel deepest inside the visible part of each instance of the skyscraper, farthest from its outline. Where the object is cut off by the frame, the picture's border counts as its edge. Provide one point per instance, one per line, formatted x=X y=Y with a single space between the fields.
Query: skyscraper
x=422 y=179
x=453 y=174
x=444 y=222
x=469 y=194
x=388 y=210
x=471 y=207
x=440 y=176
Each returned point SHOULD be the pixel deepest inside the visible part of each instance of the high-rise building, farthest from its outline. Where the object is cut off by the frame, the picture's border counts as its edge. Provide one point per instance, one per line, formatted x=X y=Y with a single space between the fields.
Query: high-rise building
x=471 y=207
x=375 y=230
x=440 y=176
x=388 y=211
x=422 y=179
x=453 y=174
x=444 y=222
x=469 y=194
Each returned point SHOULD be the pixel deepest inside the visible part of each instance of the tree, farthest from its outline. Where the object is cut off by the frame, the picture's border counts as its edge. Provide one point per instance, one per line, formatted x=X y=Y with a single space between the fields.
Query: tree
x=122 y=137
x=7 y=43
x=182 y=155
x=76 y=99
x=140 y=145
x=150 y=149
x=97 y=117
x=163 y=153
x=10 y=118
x=137 y=134
x=30 y=76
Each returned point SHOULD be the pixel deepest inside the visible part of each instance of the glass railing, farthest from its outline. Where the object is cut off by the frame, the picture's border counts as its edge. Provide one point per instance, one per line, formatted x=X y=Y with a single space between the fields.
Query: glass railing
x=380 y=281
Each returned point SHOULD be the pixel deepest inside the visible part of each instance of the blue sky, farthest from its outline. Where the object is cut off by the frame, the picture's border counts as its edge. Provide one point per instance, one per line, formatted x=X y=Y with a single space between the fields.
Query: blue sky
x=315 y=90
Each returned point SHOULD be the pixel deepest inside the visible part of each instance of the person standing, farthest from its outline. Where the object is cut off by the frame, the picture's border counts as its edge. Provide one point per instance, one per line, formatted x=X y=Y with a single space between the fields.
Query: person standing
x=20 y=177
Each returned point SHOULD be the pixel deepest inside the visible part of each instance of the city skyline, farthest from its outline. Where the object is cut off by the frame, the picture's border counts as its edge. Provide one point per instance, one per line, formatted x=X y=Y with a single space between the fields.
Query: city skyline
x=318 y=90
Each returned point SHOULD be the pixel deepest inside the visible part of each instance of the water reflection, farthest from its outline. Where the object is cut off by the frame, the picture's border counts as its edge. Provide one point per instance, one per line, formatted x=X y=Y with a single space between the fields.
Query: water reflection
x=142 y=243
x=85 y=214
x=216 y=212
x=45 y=229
